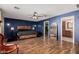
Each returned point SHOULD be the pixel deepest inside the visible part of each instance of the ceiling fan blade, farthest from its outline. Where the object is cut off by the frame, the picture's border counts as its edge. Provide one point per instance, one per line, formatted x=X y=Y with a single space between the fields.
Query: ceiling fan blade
x=43 y=16
x=39 y=16
x=29 y=17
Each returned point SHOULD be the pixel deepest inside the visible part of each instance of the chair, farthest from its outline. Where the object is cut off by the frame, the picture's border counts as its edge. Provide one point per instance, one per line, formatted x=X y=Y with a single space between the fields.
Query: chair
x=7 y=48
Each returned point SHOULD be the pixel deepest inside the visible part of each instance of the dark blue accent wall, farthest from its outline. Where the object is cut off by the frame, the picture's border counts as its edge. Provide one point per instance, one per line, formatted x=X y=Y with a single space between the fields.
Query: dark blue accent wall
x=40 y=26
x=58 y=20
x=14 y=23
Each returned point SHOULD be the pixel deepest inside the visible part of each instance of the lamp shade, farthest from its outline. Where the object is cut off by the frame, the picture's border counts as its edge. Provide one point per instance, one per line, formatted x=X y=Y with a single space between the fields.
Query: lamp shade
x=12 y=28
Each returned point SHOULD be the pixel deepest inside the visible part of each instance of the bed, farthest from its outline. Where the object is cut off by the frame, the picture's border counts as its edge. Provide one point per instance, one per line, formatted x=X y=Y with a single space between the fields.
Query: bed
x=25 y=32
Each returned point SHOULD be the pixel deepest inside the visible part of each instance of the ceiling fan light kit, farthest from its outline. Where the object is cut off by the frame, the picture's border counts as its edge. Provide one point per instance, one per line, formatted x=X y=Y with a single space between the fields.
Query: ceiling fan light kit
x=35 y=15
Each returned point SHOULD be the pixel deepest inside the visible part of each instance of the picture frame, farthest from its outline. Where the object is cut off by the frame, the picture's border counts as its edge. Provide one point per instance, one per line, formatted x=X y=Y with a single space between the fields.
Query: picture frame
x=69 y=25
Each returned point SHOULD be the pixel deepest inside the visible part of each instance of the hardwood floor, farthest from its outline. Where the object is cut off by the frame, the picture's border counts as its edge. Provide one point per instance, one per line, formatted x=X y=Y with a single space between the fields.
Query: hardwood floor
x=47 y=46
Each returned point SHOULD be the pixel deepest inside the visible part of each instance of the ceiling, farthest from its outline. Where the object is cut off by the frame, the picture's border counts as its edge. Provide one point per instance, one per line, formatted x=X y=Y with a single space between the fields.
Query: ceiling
x=26 y=10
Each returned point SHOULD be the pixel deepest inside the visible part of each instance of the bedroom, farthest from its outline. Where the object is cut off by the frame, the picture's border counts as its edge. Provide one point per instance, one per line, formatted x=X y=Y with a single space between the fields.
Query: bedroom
x=27 y=29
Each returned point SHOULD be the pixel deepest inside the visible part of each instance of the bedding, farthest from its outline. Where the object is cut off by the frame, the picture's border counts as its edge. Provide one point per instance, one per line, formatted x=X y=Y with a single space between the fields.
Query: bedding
x=26 y=34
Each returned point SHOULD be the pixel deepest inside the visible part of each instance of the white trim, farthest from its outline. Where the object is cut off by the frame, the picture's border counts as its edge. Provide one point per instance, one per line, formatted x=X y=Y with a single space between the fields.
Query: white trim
x=73 y=18
x=64 y=12
x=2 y=19
x=44 y=29
x=48 y=29
x=73 y=30
x=61 y=32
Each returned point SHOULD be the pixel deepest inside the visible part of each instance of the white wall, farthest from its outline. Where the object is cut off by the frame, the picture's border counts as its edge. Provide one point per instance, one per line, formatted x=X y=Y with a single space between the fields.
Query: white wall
x=2 y=23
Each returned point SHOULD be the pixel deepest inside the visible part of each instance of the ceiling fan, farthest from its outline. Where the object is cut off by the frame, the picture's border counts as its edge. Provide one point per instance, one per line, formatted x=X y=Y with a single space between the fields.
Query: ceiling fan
x=36 y=16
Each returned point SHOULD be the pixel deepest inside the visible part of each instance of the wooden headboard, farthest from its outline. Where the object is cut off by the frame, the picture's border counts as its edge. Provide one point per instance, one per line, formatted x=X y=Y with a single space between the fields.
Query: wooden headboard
x=24 y=27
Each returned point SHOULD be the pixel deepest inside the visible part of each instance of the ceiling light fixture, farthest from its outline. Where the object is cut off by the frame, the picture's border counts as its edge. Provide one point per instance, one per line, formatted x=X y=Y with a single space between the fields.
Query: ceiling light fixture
x=35 y=15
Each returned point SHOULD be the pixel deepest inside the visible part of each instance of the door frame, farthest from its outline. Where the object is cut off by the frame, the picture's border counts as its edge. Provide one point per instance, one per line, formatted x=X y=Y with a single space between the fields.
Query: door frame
x=73 y=18
x=44 y=29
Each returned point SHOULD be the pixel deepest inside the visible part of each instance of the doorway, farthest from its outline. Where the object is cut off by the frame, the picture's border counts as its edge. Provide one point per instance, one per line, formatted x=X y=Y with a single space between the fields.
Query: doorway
x=67 y=29
x=54 y=31
x=46 y=29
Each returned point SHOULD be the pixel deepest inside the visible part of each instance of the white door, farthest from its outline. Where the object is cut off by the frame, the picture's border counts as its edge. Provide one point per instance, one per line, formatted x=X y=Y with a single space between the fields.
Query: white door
x=68 y=26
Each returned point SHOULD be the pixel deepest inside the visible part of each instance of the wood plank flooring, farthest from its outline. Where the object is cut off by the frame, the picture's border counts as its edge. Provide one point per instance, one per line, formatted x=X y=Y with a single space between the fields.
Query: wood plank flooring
x=47 y=46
